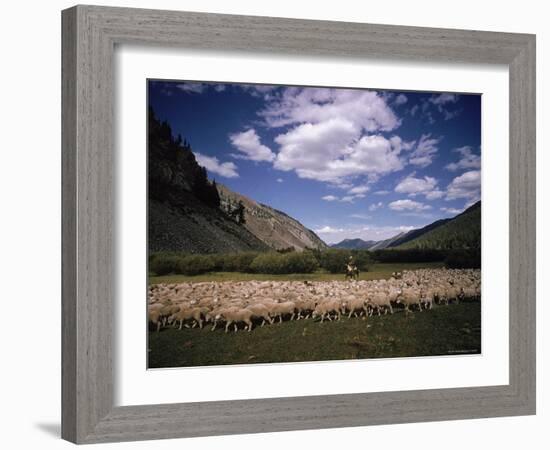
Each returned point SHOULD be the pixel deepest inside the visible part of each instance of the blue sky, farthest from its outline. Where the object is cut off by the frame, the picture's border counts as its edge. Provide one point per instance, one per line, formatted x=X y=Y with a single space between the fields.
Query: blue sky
x=346 y=163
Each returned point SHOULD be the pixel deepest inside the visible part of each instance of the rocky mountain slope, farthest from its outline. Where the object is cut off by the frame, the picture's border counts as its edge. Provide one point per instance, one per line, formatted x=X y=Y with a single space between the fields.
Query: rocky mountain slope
x=189 y=213
x=275 y=228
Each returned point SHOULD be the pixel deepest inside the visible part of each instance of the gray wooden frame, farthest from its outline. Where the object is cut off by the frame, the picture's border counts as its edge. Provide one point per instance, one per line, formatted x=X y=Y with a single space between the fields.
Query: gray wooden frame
x=89 y=37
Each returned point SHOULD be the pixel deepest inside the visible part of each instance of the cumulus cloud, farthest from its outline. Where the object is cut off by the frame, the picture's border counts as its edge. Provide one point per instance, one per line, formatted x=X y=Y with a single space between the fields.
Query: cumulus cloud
x=280 y=180
x=213 y=165
x=328 y=229
x=365 y=109
x=425 y=151
x=413 y=186
x=467 y=185
x=258 y=90
x=194 y=88
x=375 y=206
x=443 y=101
x=408 y=205
x=361 y=189
x=435 y=194
x=451 y=210
x=329 y=151
x=401 y=99
x=344 y=199
x=249 y=145
x=468 y=160
x=381 y=192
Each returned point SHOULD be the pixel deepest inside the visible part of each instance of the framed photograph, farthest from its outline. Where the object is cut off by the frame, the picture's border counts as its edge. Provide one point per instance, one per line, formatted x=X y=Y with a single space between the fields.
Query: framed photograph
x=277 y=224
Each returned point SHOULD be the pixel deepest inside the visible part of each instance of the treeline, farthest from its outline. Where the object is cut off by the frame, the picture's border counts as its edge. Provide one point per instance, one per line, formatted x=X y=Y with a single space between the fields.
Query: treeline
x=172 y=166
x=453 y=259
x=308 y=261
x=284 y=262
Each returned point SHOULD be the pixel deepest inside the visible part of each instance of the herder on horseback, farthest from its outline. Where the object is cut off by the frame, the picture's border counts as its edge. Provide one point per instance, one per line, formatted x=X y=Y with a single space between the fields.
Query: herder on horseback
x=352 y=272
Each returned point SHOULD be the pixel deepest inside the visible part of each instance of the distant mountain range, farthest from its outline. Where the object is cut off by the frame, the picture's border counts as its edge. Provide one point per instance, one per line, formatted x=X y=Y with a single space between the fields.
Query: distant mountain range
x=190 y=213
x=354 y=244
x=460 y=232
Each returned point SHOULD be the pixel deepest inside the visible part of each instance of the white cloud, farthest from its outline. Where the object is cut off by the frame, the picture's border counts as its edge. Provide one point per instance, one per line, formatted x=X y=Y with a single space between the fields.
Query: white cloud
x=280 y=180
x=258 y=90
x=213 y=165
x=401 y=99
x=453 y=211
x=348 y=198
x=426 y=186
x=468 y=160
x=375 y=206
x=195 y=88
x=413 y=110
x=219 y=87
x=442 y=101
x=248 y=143
x=362 y=189
x=425 y=151
x=467 y=185
x=328 y=230
x=381 y=192
x=365 y=109
x=332 y=152
x=408 y=205
x=344 y=199
x=435 y=194
x=414 y=186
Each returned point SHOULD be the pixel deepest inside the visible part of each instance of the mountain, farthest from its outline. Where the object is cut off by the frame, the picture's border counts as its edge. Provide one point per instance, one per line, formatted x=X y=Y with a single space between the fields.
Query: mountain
x=187 y=212
x=380 y=245
x=354 y=244
x=460 y=232
x=413 y=234
x=273 y=227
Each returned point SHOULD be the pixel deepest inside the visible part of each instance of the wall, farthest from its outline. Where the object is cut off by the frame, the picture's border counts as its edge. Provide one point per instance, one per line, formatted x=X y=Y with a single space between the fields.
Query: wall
x=30 y=177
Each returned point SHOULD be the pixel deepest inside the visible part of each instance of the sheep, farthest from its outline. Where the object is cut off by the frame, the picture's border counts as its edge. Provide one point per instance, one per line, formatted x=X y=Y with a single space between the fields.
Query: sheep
x=379 y=300
x=325 y=308
x=154 y=318
x=354 y=304
x=409 y=297
x=281 y=309
x=218 y=314
x=183 y=314
x=260 y=311
x=234 y=316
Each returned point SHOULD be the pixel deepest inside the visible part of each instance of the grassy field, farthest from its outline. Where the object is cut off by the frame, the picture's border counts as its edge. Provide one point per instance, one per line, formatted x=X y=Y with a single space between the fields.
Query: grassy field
x=376 y=272
x=444 y=330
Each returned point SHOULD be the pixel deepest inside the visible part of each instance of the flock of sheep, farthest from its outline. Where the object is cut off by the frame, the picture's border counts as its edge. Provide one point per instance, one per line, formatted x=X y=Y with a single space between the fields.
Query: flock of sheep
x=244 y=303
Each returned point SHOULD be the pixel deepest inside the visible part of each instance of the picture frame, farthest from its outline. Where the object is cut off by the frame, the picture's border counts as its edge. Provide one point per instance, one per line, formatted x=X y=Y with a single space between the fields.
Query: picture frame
x=89 y=37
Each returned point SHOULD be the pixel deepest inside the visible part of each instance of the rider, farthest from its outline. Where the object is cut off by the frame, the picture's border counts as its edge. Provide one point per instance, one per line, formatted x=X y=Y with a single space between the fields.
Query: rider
x=351 y=267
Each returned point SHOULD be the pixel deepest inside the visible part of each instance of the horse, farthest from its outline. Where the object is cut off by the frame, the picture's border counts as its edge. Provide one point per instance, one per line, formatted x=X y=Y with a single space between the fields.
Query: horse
x=352 y=273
